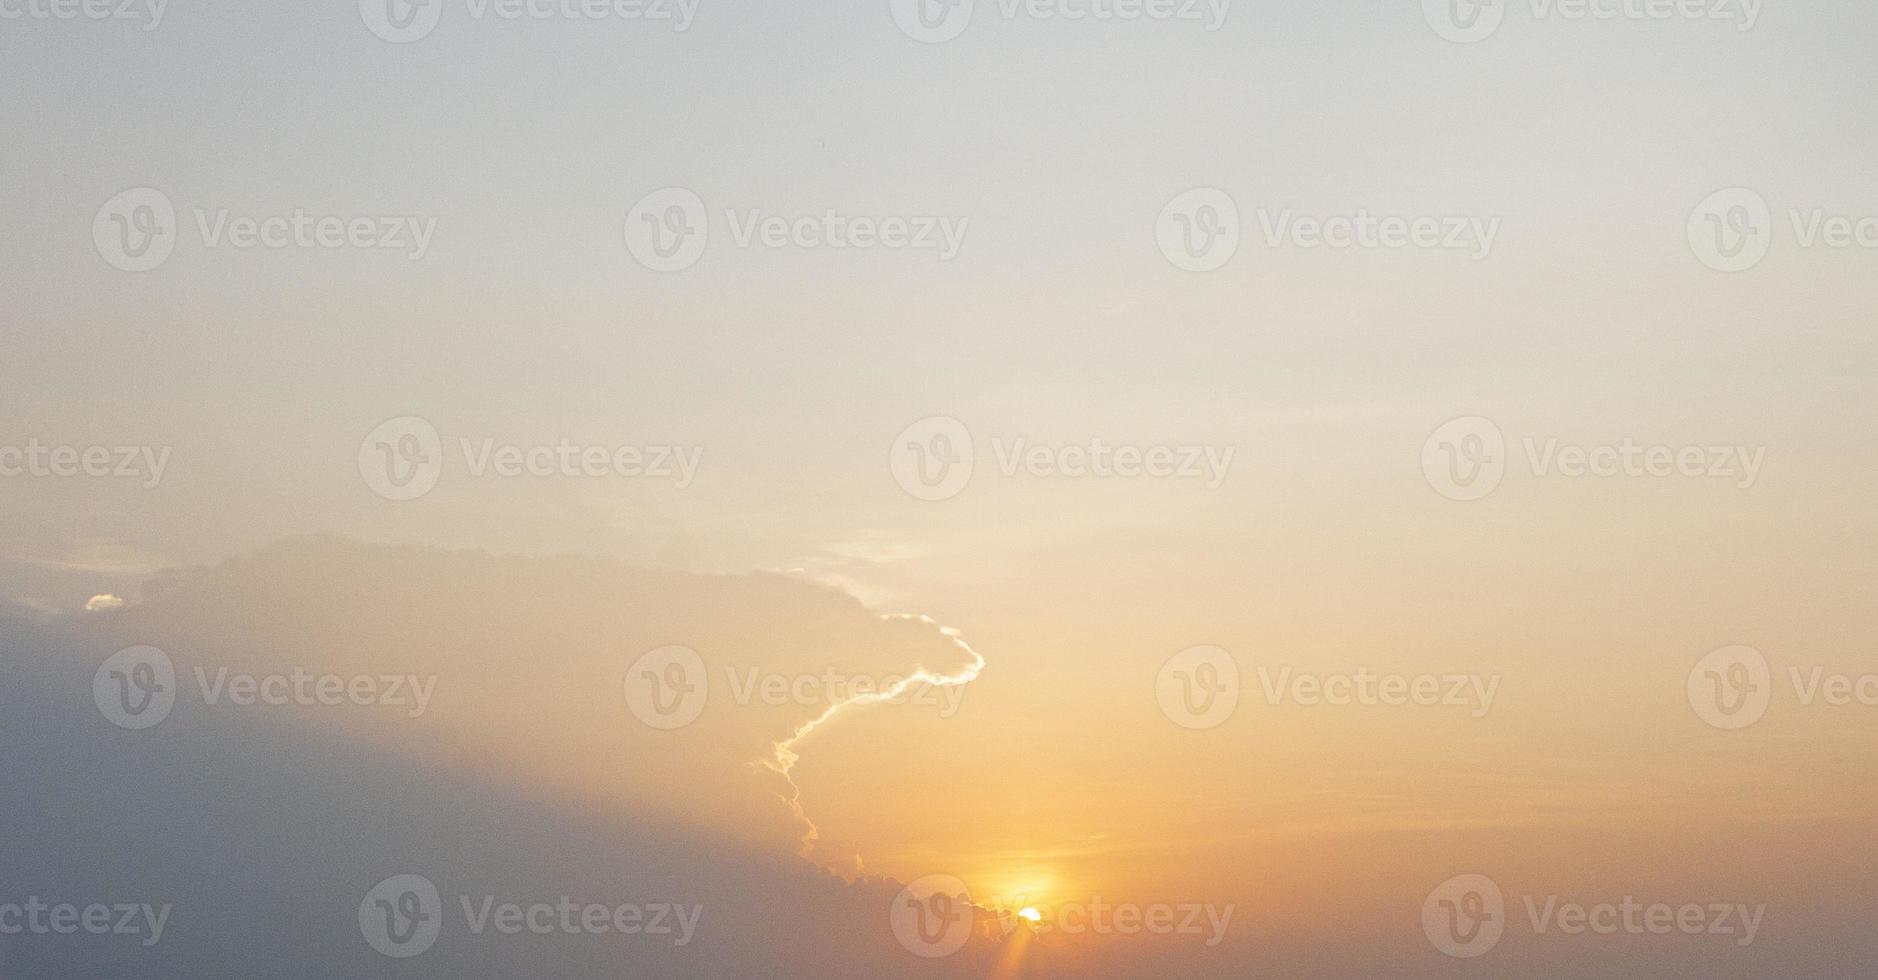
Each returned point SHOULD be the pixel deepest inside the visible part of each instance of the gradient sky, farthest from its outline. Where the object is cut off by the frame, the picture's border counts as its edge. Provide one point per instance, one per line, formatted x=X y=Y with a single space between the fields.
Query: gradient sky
x=529 y=321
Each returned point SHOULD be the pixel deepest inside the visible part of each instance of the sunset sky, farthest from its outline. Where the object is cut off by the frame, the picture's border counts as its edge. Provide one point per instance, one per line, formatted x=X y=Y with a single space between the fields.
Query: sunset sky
x=780 y=400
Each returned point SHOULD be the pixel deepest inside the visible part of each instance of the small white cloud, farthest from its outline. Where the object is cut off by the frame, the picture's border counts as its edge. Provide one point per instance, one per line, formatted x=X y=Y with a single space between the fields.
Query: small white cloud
x=99 y=603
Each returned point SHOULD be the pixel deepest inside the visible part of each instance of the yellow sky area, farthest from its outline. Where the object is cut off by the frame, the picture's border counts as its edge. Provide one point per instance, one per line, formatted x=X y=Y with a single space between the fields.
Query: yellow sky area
x=1292 y=797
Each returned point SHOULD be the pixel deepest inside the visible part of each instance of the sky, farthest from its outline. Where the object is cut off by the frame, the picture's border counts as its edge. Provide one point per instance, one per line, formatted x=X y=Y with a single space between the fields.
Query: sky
x=1590 y=462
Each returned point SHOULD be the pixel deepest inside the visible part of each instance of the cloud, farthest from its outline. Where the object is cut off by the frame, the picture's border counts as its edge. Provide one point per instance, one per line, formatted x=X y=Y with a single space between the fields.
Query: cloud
x=530 y=657
x=528 y=778
x=265 y=835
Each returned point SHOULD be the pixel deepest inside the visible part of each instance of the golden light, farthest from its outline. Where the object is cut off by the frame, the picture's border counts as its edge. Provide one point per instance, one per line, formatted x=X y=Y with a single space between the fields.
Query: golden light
x=1030 y=914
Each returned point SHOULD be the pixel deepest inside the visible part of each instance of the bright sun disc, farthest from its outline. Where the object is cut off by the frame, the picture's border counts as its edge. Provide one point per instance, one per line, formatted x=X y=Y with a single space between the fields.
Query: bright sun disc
x=1030 y=913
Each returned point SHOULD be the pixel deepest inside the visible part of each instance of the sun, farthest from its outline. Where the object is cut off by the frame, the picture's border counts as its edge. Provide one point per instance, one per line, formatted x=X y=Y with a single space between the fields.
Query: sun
x=1030 y=914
